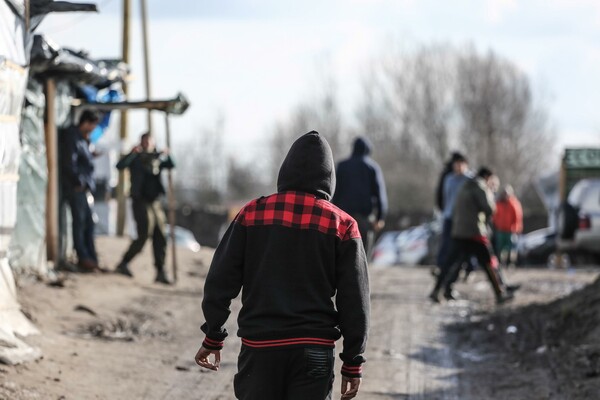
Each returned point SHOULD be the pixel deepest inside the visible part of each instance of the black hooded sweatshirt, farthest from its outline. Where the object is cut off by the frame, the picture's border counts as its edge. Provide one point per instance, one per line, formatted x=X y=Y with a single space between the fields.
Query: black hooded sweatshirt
x=299 y=262
x=361 y=187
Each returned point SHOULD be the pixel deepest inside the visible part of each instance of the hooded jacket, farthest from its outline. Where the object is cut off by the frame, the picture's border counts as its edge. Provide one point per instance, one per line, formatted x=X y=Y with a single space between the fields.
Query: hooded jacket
x=361 y=187
x=299 y=263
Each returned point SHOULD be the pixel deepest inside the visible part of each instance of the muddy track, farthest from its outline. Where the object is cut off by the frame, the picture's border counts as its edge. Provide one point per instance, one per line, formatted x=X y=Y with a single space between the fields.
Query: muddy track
x=109 y=337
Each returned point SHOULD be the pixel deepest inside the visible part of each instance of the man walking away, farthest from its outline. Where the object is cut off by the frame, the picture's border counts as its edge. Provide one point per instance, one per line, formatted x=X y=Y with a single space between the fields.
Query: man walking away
x=300 y=264
x=361 y=191
x=78 y=185
x=473 y=209
x=145 y=166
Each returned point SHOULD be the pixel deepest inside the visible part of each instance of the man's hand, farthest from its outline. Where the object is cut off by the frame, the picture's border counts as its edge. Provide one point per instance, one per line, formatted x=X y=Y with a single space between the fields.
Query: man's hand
x=202 y=358
x=378 y=225
x=137 y=149
x=350 y=387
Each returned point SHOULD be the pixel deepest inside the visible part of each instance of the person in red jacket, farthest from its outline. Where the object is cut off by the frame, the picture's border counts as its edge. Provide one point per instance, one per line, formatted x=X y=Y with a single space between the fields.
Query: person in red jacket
x=508 y=223
x=300 y=264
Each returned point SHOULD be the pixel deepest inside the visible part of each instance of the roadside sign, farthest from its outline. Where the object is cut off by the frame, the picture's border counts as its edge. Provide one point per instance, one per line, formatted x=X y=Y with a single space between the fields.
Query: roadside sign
x=582 y=158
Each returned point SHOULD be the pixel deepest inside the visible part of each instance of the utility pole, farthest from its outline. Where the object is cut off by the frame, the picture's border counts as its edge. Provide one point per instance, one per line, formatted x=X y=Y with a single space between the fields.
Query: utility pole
x=52 y=230
x=121 y=195
x=144 y=12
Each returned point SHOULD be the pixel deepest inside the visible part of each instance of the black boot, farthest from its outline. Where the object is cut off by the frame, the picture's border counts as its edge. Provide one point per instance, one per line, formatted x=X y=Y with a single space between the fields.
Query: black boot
x=450 y=295
x=161 y=277
x=123 y=269
x=434 y=296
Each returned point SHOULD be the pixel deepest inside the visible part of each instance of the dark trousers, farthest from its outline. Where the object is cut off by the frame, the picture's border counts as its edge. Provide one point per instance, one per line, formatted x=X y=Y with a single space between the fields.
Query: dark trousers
x=365 y=227
x=150 y=222
x=299 y=373
x=461 y=249
x=83 y=226
x=445 y=240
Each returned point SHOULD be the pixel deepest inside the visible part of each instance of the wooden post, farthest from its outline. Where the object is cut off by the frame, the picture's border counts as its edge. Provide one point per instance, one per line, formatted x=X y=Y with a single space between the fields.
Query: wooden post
x=52 y=230
x=121 y=194
x=144 y=16
x=171 y=202
x=27 y=17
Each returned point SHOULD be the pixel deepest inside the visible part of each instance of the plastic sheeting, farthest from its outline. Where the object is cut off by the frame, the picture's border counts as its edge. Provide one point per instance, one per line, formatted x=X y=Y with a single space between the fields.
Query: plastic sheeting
x=28 y=248
x=13 y=77
x=49 y=59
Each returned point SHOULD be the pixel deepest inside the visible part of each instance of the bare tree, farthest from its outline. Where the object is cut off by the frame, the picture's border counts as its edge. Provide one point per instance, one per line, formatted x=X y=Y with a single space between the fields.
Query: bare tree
x=321 y=114
x=419 y=105
x=503 y=125
x=200 y=177
x=243 y=182
x=407 y=112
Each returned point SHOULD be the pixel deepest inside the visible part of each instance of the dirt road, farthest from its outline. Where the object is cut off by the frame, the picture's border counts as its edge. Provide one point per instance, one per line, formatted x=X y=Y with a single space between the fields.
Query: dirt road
x=109 y=337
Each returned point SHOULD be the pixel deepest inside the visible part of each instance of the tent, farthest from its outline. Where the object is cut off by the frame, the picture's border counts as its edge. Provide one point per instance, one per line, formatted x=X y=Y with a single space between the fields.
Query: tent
x=18 y=18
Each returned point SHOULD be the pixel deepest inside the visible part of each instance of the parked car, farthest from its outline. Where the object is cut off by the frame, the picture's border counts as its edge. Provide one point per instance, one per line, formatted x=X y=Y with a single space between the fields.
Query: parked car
x=579 y=218
x=413 y=246
x=537 y=247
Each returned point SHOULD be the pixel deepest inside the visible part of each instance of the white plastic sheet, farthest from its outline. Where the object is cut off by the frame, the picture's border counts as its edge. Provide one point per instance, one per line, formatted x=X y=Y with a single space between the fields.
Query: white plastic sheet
x=13 y=78
x=28 y=247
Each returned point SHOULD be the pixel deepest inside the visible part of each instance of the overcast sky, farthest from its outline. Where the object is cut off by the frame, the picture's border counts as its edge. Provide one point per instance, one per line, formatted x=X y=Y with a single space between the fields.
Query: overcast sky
x=253 y=60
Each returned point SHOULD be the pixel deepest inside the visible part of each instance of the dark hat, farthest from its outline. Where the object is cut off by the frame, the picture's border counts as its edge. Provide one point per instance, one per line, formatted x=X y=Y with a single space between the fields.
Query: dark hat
x=457 y=157
x=484 y=172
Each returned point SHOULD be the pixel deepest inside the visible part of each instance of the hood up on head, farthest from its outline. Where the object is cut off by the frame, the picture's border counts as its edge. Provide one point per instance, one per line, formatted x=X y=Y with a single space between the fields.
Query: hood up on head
x=362 y=147
x=308 y=167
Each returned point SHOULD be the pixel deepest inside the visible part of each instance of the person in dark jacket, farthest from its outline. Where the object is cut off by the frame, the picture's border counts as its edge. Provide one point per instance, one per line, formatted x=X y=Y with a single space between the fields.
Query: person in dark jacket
x=473 y=208
x=450 y=187
x=301 y=266
x=145 y=165
x=448 y=169
x=77 y=162
x=361 y=191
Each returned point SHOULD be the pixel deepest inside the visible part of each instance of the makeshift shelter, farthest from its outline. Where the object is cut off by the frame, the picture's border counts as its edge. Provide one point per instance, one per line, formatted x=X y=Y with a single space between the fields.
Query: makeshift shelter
x=18 y=18
x=60 y=77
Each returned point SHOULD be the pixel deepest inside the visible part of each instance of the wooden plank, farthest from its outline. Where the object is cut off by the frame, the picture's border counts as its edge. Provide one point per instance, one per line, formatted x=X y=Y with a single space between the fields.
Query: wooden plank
x=52 y=228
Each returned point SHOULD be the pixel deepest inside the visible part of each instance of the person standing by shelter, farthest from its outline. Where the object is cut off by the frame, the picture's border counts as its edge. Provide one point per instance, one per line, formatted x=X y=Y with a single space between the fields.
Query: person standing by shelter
x=78 y=183
x=145 y=165
x=508 y=222
x=361 y=191
x=300 y=263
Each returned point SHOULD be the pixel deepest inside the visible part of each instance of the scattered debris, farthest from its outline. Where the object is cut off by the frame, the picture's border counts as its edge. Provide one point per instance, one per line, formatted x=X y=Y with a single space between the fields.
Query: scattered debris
x=58 y=281
x=129 y=326
x=182 y=368
x=86 y=309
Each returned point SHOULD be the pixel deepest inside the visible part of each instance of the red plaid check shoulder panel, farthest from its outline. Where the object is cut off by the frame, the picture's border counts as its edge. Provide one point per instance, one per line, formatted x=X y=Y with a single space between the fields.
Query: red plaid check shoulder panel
x=301 y=211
